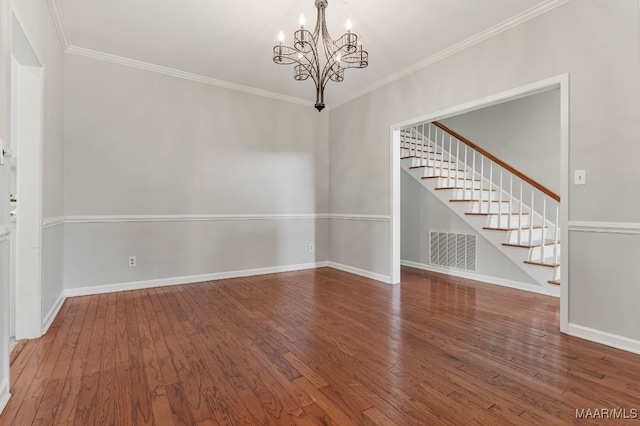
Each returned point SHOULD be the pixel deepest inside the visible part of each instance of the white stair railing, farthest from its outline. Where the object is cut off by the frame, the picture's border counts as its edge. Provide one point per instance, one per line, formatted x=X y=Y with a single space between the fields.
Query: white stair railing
x=514 y=202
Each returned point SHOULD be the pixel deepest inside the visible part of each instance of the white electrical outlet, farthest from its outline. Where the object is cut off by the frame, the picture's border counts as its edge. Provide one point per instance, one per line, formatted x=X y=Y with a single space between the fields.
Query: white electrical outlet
x=310 y=247
x=132 y=261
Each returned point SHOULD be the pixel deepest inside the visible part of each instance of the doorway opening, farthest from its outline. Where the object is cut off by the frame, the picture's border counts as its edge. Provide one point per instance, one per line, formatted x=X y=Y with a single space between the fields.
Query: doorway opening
x=560 y=82
x=27 y=88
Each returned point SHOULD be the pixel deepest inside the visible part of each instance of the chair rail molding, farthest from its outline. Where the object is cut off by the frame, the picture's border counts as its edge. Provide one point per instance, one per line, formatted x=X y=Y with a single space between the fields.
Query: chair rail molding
x=629 y=228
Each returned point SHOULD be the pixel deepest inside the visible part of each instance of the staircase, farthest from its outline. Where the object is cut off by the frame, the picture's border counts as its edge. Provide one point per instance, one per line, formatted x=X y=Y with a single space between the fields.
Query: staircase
x=515 y=213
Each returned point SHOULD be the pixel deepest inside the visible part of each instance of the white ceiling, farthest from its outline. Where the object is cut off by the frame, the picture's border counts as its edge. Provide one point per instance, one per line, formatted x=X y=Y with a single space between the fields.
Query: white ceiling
x=232 y=41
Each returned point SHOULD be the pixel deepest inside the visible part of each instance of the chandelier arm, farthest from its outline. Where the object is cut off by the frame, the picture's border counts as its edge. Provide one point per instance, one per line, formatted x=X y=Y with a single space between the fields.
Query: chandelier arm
x=340 y=54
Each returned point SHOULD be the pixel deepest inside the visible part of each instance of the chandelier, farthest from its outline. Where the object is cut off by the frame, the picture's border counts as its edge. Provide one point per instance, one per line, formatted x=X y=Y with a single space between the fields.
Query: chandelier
x=345 y=52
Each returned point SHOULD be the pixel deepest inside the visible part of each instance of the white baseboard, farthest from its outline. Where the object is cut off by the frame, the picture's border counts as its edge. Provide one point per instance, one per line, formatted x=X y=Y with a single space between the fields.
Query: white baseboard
x=613 y=340
x=162 y=282
x=4 y=394
x=367 y=274
x=51 y=315
x=479 y=277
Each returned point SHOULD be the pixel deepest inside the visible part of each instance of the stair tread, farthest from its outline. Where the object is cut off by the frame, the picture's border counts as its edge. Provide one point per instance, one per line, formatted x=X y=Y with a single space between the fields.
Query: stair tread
x=436 y=167
x=493 y=214
x=555 y=282
x=468 y=189
x=490 y=228
x=478 y=201
x=543 y=263
x=532 y=244
x=448 y=177
x=423 y=158
x=428 y=150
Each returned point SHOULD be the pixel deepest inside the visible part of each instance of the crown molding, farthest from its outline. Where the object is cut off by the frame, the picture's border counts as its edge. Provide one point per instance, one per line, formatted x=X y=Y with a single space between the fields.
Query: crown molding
x=465 y=44
x=81 y=51
x=456 y=48
x=56 y=15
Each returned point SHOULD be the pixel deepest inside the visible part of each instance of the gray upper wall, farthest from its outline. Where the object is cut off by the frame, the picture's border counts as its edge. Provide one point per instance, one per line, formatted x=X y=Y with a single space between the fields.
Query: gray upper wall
x=143 y=143
x=595 y=42
x=524 y=133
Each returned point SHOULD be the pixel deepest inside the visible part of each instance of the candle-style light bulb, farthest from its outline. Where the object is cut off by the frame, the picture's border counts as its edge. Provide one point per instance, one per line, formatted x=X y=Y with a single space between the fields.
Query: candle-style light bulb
x=281 y=37
x=302 y=22
x=348 y=25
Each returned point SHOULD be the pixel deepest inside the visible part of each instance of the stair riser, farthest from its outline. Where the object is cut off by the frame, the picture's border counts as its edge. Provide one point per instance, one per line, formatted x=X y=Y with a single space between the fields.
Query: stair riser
x=542 y=274
x=484 y=207
x=515 y=237
x=429 y=160
x=504 y=221
x=545 y=252
x=458 y=182
x=467 y=194
x=443 y=174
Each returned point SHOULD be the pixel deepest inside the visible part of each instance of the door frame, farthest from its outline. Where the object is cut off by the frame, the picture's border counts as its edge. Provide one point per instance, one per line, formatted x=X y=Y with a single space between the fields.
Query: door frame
x=29 y=235
x=558 y=82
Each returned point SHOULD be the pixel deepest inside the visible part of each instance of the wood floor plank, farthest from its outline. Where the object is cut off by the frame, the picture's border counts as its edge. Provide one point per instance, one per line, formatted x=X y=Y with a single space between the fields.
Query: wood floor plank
x=315 y=347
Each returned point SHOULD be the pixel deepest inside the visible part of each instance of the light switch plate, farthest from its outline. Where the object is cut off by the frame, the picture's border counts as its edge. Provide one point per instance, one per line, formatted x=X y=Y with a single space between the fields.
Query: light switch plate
x=2 y=148
x=580 y=177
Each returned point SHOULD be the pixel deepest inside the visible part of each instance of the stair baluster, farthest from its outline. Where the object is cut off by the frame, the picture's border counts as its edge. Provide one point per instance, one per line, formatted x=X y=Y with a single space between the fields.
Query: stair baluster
x=425 y=144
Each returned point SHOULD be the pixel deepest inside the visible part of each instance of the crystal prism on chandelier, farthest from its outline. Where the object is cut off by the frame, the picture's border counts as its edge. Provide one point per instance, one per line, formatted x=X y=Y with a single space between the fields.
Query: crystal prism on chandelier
x=345 y=52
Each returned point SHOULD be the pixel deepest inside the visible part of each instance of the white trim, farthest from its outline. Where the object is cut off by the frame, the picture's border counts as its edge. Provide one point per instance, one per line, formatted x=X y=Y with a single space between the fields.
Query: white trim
x=361 y=217
x=163 y=282
x=50 y=222
x=5 y=232
x=609 y=339
x=189 y=218
x=394 y=207
x=210 y=217
x=479 y=277
x=28 y=305
x=4 y=394
x=357 y=271
x=56 y=15
x=564 y=204
x=51 y=315
x=456 y=48
x=630 y=228
x=81 y=51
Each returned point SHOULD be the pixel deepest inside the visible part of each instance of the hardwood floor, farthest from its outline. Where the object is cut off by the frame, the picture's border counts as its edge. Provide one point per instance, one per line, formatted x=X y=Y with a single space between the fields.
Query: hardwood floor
x=316 y=347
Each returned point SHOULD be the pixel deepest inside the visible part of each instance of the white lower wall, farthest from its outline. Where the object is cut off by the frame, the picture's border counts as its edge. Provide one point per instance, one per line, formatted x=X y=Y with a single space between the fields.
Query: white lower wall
x=361 y=243
x=97 y=250
x=604 y=298
x=52 y=272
